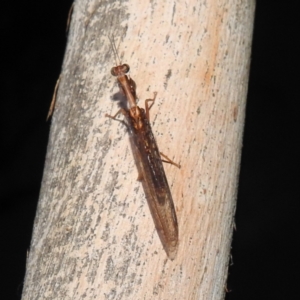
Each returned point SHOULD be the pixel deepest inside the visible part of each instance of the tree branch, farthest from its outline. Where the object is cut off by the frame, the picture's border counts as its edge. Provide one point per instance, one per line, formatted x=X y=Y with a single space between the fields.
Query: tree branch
x=94 y=237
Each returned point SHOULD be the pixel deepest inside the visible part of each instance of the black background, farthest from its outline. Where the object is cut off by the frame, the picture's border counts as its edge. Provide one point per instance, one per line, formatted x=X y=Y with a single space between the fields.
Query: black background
x=264 y=254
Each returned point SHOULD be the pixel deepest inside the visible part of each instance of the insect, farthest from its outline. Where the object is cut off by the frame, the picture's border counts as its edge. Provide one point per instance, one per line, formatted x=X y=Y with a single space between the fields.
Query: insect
x=148 y=161
x=53 y=101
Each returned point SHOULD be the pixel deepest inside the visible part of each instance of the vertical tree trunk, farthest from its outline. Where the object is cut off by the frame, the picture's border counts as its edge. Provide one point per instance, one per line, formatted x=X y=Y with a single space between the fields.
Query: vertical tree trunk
x=94 y=237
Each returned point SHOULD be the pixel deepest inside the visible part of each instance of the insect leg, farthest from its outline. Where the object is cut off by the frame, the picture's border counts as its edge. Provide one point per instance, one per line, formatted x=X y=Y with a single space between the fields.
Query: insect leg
x=169 y=161
x=147 y=107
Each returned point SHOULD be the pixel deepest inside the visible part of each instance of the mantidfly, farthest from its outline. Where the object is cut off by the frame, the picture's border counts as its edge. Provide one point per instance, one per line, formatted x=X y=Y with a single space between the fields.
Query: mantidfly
x=148 y=160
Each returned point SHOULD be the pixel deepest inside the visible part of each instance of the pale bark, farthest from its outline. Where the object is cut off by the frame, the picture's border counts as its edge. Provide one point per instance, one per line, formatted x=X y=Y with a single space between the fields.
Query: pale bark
x=93 y=235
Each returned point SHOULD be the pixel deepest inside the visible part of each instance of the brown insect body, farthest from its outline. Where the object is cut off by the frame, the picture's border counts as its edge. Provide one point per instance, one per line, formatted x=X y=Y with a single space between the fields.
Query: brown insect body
x=149 y=164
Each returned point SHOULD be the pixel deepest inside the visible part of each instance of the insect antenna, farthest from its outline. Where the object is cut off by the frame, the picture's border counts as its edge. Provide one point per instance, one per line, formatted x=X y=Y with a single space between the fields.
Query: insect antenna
x=114 y=48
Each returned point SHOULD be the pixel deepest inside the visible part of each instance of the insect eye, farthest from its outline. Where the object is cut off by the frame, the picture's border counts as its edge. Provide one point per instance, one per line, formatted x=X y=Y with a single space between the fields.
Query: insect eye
x=113 y=71
x=125 y=68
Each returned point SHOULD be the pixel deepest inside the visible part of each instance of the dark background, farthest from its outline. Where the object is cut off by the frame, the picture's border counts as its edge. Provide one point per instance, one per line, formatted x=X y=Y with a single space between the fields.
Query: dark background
x=264 y=254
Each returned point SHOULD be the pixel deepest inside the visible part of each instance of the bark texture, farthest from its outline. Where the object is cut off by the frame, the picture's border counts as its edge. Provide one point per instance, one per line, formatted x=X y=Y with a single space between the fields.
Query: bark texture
x=94 y=237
